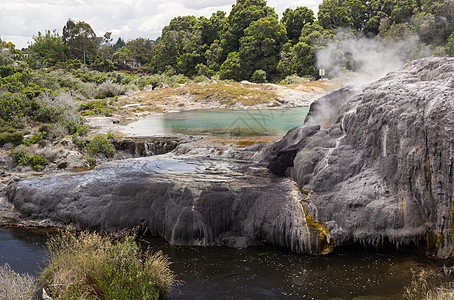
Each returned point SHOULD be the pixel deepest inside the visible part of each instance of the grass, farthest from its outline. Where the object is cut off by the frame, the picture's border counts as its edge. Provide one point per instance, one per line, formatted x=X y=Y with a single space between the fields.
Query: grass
x=430 y=284
x=225 y=93
x=91 y=266
x=16 y=286
x=230 y=93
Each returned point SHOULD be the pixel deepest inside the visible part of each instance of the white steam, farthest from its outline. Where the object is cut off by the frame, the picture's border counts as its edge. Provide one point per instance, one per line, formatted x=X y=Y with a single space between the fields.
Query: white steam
x=363 y=60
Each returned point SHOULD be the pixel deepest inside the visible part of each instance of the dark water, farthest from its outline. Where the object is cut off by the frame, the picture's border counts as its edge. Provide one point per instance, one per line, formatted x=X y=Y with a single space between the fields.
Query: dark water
x=263 y=122
x=253 y=273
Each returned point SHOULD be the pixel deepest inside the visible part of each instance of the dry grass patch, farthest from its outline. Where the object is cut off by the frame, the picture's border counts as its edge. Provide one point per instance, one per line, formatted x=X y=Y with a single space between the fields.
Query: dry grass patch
x=16 y=286
x=430 y=284
x=232 y=93
x=91 y=266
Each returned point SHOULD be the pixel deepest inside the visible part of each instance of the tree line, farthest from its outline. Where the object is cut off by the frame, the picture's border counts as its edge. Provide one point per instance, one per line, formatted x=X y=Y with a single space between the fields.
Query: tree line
x=251 y=42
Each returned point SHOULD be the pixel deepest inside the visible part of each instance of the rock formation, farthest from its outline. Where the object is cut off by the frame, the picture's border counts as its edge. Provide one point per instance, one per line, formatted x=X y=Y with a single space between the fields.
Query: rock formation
x=383 y=170
x=186 y=201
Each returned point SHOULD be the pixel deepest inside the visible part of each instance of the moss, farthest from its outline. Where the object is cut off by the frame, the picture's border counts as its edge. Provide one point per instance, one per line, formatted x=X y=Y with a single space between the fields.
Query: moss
x=325 y=240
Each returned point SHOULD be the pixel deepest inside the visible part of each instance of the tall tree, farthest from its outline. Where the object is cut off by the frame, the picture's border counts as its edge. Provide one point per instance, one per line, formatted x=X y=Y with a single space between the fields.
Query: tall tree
x=261 y=45
x=80 y=38
x=294 y=20
x=243 y=13
x=47 y=48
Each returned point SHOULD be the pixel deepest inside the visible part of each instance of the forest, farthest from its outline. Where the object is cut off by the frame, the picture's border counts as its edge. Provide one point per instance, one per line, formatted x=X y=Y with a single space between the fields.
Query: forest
x=250 y=43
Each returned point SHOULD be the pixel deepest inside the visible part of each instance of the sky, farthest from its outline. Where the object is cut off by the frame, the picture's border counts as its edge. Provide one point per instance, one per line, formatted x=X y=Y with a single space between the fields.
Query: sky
x=20 y=20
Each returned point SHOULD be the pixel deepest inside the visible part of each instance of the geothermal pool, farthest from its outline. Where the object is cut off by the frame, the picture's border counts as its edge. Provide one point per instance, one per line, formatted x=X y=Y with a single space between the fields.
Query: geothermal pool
x=236 y=123
x=253 y=273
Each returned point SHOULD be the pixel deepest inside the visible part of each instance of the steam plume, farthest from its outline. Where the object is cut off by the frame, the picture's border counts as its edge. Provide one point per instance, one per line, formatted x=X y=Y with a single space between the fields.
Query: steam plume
x=368 y=58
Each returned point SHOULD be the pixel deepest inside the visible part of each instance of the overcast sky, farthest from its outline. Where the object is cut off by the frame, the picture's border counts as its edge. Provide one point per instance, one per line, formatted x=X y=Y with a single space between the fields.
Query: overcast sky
x=128 y=19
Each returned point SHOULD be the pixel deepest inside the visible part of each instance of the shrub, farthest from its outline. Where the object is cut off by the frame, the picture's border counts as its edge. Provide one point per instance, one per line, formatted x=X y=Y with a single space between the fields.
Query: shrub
x=101 y=144
x=14 y=138
x=91 y=266
x=24 y=156
x=79 y=142
x=293 y=79
x=96 y=107
x=109 y=89
x=259 y=76
x=36 y=138
x=11 y=109
x=16 y=286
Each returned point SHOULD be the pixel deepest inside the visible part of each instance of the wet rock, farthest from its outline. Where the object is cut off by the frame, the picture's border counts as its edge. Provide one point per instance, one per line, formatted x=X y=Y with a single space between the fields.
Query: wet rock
x=384 y=171
x=145 y=146
x=186 y=201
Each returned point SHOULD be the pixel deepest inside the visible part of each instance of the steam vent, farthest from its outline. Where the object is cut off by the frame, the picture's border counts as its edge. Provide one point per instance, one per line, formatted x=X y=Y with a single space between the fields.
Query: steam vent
x=372 y=165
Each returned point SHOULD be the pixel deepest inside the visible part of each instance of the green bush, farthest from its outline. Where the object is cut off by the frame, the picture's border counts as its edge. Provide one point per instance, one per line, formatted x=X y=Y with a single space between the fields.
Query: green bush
x=293 y=79
x=101 y=144
x=79 y=142
x=96 y=107
x=14 y=138
x=259 y=76
x=91 y=266
x=24 y=156
x=36 y=138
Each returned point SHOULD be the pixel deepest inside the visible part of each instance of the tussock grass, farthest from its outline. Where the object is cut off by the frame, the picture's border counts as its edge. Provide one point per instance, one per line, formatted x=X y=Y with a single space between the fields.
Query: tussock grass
x=16 y=286
x=430 y=284
x=91 y=266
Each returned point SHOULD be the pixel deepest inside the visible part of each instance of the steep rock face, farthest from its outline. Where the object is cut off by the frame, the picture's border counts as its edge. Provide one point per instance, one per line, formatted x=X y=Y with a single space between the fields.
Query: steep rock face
x=188 y=202
x=384 y=170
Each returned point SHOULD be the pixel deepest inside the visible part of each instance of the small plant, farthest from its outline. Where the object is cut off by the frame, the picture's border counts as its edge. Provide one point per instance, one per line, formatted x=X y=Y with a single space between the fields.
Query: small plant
x=111 y=135
x=23 y=156
x=16 y=286
x=293 y=79
x=91 y=266
x=96 y=108
x=79 y=142
x=36 y=138
x=90 y=160
x=101 y=144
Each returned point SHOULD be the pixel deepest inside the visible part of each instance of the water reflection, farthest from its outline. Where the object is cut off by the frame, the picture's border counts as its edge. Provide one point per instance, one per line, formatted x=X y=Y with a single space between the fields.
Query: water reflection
x=265 y=122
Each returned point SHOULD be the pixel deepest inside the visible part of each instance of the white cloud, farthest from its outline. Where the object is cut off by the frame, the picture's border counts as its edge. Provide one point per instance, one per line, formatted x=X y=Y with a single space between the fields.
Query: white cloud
x=129 y=19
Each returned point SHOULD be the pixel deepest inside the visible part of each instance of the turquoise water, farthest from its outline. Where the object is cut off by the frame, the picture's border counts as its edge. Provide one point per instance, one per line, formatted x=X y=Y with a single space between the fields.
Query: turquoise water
x=263 y=122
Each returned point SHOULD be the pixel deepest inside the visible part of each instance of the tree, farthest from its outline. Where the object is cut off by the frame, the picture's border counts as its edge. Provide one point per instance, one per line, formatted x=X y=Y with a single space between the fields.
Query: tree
x=294 y=20
x=80 y=39
x=333 y=14
x=121 y=57
x=48 y=48
x=231 y=68
x=119 y=44
x=243 y=13
x=140 y=49
x=261 y=45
